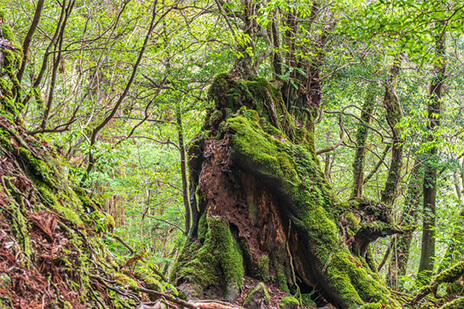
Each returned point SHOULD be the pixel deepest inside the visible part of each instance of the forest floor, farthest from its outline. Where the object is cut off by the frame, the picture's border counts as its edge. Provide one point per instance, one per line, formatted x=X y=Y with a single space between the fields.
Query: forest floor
x=275 y=294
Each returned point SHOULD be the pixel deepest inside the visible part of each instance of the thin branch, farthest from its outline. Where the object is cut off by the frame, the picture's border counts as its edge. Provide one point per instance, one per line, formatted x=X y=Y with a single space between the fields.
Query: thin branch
x=376 y=167
x=28 y=39
x=334 y=146
x=168 y=142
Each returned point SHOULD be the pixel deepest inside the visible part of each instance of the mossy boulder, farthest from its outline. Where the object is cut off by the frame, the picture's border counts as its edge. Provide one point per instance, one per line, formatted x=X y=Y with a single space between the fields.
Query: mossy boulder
x=289 y=302
x=258 y=298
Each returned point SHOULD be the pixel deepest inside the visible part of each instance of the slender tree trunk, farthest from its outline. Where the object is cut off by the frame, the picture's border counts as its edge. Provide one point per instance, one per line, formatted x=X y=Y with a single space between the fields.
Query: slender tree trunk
x=29 y=36
x=243 y=64
x=55 y=64
x=394 y=115
x=277 y=59
x=183 y=169
x=455 y=250
x=458 y=185
x=430 y=177
x=361 y=140
x=402 y=243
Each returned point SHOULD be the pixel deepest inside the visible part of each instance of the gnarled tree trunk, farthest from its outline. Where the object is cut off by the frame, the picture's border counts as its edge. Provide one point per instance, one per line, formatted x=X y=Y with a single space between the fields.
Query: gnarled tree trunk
x=266 y=208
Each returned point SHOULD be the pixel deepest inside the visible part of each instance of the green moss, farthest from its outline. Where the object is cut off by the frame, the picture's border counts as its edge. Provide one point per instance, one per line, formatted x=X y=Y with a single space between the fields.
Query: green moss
x=450 y=274
x=258 y=94
x=51 y=200
x=282 y=280
x=127 y=281
x=219 y=259
x=257 y=268
x=219 y=87
x=5 y=282
x=456 y=303
x=103 y=221
x=38 y=169
x=294 y=173
x=307 y=301
x=7 y=33
x=202 y=228
x=215 y=117
x=352 y=220
x=289 y=302
x=147 y=276
x=20 y=228
x=262 y=268
x=86 y=201
x=372 y=306
x=10 y=86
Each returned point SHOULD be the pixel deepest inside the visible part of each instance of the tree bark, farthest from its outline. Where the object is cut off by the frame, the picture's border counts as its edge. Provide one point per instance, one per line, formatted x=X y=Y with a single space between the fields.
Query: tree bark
x=266 y=209
x=394 y=115
x=361 y=141
x=183 y=169
x=402 y=243
x=430 y=177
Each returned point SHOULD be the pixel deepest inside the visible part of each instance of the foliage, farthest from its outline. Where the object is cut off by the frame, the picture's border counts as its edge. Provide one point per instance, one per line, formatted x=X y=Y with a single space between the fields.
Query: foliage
x=119 y=139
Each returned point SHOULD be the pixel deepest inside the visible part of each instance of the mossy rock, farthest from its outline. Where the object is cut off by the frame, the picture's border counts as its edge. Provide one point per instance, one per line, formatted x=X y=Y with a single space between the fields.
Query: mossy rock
x=258 y=298
x=289 y=302
x=307 y=300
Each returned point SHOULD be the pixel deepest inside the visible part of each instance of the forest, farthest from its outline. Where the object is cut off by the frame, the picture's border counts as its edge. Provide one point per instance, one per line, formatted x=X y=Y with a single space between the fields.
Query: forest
x=219 y=154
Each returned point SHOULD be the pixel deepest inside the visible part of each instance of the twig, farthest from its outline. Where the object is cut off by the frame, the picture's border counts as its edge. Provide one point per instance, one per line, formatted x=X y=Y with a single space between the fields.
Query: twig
x=334 y=146
x=123 y=243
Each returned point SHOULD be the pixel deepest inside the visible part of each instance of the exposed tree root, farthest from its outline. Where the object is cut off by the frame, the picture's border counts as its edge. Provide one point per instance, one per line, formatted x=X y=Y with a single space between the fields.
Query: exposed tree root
x=448 y=276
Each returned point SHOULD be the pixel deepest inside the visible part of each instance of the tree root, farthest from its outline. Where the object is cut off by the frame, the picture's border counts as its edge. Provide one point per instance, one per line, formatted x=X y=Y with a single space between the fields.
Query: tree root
x=447 y=276
x=213 y=304
x=158 y=295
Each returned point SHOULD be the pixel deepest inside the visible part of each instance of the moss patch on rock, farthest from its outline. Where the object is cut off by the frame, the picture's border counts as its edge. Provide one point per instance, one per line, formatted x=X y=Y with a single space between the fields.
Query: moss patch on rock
x=257 y=297
x=289 y=302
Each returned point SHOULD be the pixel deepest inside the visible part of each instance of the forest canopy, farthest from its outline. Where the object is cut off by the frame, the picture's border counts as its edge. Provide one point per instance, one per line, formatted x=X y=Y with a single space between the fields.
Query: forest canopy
x=218 y=154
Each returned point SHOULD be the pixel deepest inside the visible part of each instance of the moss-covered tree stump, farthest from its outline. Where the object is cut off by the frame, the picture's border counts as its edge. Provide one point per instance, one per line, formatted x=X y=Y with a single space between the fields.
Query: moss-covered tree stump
x=261 y=193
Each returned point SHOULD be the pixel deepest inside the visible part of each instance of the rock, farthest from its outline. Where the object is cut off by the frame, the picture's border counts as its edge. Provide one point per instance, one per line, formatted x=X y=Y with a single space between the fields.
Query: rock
x=289 y=302
x=258 y=298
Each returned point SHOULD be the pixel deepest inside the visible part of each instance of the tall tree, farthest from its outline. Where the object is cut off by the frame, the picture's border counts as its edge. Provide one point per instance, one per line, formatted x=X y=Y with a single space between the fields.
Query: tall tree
x=361 y=141
x=430 y=175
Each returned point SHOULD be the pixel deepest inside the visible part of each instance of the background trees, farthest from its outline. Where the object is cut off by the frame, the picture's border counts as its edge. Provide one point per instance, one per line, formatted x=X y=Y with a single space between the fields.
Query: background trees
x=119 y=89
